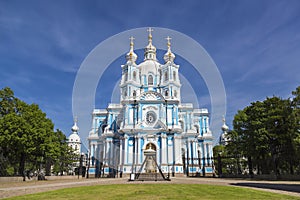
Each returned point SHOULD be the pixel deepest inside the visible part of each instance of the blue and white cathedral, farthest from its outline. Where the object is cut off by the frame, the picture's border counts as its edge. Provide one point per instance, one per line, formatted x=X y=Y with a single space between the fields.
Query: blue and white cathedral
x=150 y=116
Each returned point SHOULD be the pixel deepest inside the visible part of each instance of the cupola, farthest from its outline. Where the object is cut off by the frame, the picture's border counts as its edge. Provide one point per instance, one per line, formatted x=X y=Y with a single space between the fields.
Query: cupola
x=169 y=56
x=150 y=50
x=131 y=56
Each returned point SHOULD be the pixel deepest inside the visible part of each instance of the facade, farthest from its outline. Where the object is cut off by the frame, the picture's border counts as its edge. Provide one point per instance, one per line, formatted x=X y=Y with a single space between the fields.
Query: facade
x=150 y=117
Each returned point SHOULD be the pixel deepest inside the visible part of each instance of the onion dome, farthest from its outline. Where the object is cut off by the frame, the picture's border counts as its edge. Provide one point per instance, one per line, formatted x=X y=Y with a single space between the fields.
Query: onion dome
x=74 y=137
x=131 y=56
x=224 y=127
x=75 y=128
x=150 y=50
x=169 y=56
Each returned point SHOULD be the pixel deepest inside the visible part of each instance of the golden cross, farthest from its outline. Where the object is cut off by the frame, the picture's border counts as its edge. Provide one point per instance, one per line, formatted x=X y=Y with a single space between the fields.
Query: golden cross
x=131 y=40
x=150 y=30
x=168 y=39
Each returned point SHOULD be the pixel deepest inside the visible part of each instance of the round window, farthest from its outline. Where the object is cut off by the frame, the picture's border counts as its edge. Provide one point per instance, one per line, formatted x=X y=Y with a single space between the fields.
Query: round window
x=150 y=118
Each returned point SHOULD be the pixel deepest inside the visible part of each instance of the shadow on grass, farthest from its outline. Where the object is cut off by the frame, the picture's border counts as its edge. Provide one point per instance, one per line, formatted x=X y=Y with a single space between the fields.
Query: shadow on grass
x=283 y=187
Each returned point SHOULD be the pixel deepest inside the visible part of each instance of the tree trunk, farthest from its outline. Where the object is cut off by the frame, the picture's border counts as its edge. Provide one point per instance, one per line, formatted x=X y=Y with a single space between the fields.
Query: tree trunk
x=22 y=164
x=48 y=167
x=250 y=166
x=291 y=167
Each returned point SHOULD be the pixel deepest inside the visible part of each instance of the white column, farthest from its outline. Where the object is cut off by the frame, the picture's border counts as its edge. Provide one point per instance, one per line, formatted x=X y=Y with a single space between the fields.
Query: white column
x=104 y=151
x=158 y=151
x=208 y=154
x=97 y=152
x=173 y=117
x=121 y=155
x=139 y=151
x=207 y=125
x=190 y=115
x=200 y=152
x=126 y=150
x=190 y=150
x=192 y=154
x=177 y=147
x=112 y=153
x=136 y=149
x=129 y=153
x=173 y=150
x=143 y=156
x=163 y=150
x=204 y=153
x=93 y=151
x=195 y=149
x=170 y=151
x=107 y=152
x=161 y=113
x=203 y=125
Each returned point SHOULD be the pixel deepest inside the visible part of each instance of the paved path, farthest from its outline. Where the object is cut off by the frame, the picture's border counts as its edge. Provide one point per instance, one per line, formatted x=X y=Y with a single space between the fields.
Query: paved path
x=21 y=188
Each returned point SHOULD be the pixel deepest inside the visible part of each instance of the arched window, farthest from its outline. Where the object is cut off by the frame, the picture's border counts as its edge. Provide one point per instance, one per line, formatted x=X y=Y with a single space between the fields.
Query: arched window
x=75 y=147
x=166 y=76
x=181 y=124
x=174 y=76
x=197 y=128
x=150 y=80
x=125 y=77
x=134 y=93
x=175 y=93
x=166 y=93
x=134 y=76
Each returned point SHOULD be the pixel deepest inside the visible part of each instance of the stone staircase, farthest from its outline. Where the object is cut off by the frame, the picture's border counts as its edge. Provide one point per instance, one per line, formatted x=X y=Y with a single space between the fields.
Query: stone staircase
x=150 y=177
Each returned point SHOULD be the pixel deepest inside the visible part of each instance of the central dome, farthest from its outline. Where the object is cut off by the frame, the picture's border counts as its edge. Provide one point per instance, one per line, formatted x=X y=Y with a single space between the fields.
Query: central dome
x=149 y=66
x=150 y=50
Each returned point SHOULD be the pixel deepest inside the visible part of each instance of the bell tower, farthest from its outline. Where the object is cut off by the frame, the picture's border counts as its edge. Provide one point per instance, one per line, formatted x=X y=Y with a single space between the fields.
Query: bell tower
x=130 y=82
x=170 y=83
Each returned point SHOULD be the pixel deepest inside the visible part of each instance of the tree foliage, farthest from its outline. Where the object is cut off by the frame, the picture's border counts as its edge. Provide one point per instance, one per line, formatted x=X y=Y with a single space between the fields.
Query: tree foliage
x=268 y=131
x=27 y=138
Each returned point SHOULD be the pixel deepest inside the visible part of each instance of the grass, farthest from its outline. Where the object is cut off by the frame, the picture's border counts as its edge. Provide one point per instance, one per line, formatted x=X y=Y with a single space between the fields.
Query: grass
x=155 y=191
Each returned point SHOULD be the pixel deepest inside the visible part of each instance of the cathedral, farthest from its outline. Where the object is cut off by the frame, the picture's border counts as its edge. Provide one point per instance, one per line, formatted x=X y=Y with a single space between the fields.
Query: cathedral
x=150 y=118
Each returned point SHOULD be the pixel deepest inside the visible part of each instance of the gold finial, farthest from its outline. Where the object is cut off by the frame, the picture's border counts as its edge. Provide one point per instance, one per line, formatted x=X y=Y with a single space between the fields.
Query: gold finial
x=169 y=41
x=150 y=30
x=131 y=46
x=131 y=41
x=75 y=119
x=169 y=46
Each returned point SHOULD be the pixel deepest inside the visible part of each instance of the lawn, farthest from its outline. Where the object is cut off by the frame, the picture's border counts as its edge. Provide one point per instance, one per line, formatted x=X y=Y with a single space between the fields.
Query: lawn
x=155 y=191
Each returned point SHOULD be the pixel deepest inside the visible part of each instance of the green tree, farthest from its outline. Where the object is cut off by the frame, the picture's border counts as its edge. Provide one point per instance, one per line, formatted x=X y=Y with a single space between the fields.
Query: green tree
x=11 y=124
x=27 y=138
x=7 y=101
x=66 y=156
x=267 y=132
x=295 y=120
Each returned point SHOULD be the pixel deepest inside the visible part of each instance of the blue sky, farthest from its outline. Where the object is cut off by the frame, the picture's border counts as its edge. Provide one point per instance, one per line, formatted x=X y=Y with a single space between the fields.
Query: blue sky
x=255 y=45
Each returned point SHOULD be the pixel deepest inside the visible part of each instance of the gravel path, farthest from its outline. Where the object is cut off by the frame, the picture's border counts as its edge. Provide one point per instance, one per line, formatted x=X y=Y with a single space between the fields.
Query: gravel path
x=21 y=188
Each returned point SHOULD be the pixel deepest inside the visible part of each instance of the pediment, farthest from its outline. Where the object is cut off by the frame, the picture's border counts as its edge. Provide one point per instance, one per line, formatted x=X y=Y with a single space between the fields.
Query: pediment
x=151 y=96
